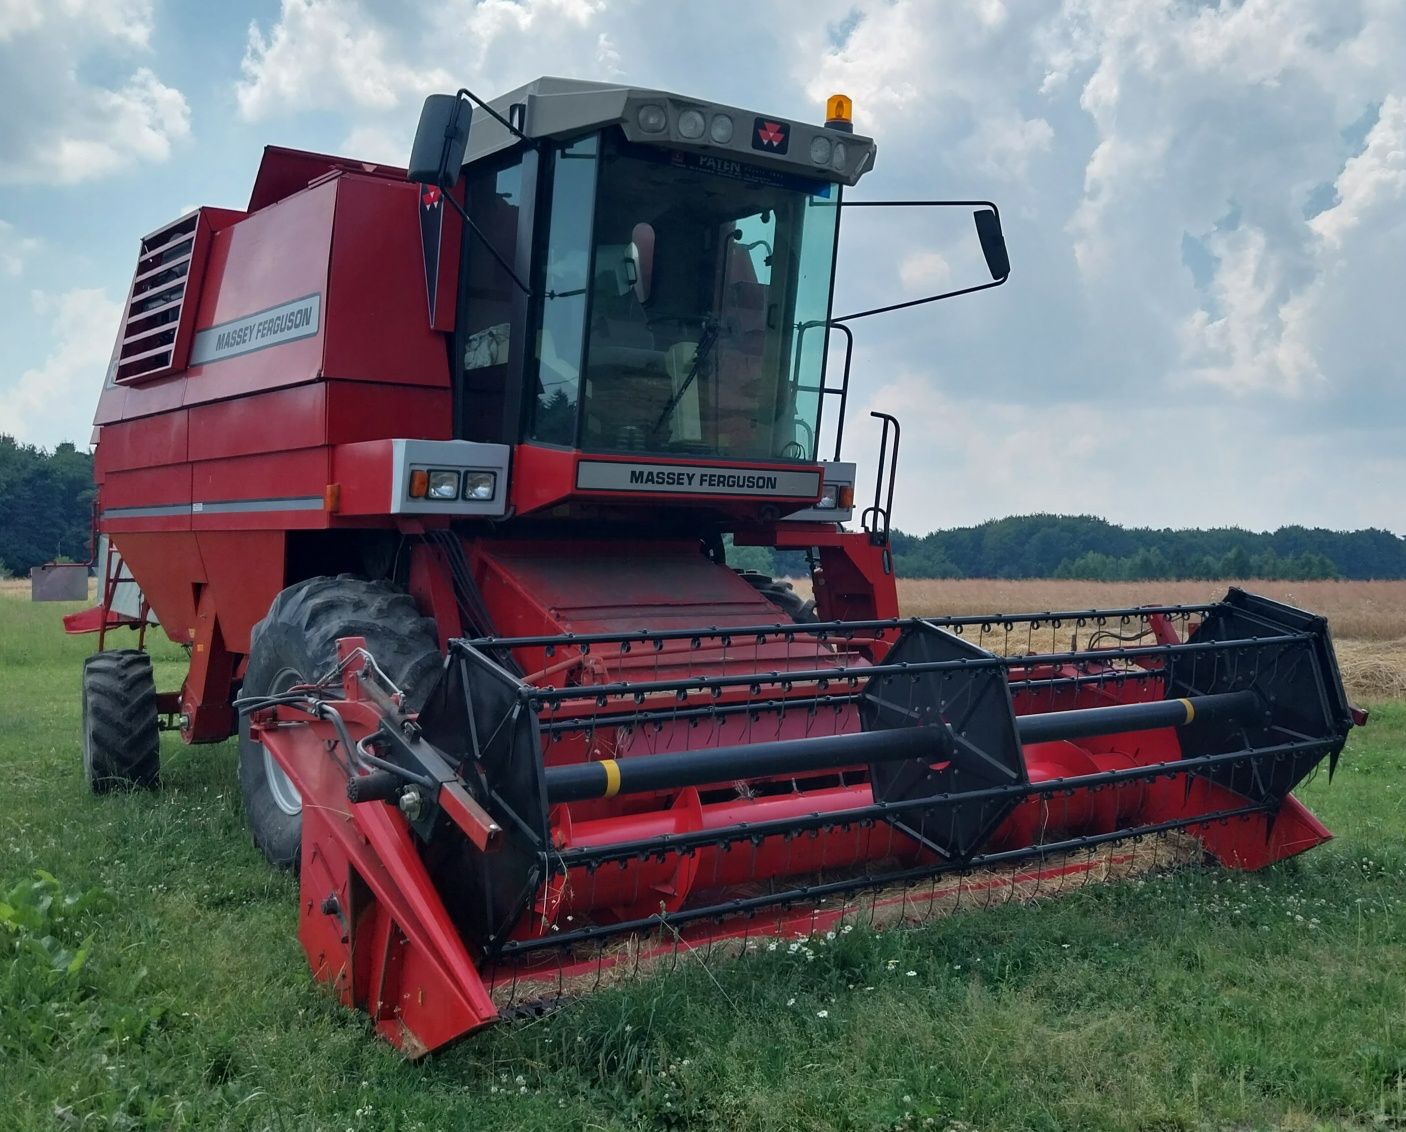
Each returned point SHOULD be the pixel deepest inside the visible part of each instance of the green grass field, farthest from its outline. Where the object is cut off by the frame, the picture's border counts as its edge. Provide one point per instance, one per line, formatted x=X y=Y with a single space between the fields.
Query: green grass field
x=155 y=982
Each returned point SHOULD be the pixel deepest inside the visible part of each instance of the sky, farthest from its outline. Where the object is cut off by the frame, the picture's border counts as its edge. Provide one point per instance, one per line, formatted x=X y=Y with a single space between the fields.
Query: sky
x=1204 y=203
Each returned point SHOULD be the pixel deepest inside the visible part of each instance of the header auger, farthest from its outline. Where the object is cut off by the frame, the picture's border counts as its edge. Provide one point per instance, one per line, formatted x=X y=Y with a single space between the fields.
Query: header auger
x=438 y=501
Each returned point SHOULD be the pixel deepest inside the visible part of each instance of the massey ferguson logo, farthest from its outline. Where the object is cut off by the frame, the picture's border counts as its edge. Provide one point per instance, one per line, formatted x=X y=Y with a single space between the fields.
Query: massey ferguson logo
x=431 y=224
x=771 y=137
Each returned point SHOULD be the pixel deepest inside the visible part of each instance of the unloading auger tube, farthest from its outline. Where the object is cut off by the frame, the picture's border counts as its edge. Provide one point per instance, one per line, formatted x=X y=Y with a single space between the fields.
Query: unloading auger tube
x=494 y=850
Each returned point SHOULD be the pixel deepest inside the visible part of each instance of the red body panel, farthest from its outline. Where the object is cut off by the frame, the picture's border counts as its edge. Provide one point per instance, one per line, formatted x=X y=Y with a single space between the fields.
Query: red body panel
x=202 y=473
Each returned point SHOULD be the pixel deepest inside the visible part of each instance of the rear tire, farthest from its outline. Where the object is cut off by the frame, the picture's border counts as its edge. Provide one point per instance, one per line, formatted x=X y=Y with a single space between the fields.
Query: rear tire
x=782 y=595
x=121 y=741
x=296 y=643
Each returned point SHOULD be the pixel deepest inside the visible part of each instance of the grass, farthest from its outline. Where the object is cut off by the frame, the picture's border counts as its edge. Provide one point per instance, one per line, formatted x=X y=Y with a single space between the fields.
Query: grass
x=1204 y=999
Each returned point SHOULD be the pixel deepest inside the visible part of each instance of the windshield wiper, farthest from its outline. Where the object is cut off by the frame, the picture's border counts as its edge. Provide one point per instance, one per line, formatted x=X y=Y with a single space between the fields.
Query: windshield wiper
x=706 y=341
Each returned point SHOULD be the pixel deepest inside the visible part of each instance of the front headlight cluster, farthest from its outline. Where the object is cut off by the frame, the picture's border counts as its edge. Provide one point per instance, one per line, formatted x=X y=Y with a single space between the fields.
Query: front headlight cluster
x=444 y=485
x=836 y=497
x=825 y=152
x=691 y=123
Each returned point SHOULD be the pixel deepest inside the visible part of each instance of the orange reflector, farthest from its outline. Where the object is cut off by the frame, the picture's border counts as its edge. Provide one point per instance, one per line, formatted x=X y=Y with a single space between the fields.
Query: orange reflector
x=419 y=483
x=331 y=497
x=844 y=497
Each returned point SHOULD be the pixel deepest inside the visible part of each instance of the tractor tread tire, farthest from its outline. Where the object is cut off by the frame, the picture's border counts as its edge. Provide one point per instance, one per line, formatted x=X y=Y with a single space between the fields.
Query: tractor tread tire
x=121 y=740
x=300 y=634
x=781 y=594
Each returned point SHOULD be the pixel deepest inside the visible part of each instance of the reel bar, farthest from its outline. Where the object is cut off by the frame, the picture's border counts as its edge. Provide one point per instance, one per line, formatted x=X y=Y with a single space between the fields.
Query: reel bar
x=822 y=628
x=542 y=697
x=563 y=859
x=818 y=892
x=606 y=778
x=561 y=726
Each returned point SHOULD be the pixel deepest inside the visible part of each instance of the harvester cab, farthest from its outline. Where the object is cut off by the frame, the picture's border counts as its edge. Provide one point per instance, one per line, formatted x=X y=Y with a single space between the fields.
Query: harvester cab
x=669 y=318
x=432 y=471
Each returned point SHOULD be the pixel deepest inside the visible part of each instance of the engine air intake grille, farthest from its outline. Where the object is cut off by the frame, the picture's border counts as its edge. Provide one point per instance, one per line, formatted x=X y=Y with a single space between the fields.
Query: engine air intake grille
x=156 y=332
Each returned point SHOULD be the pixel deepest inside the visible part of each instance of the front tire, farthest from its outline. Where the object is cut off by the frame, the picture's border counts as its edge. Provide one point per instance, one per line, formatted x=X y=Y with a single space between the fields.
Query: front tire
x=121 y=741
x=296 y=643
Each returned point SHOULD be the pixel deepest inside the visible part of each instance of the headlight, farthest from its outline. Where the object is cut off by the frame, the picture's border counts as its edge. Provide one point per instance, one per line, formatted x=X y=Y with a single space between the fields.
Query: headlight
x=839 y=159
x=720 y=129
x=820 y=150
x=442 y=485
x=480 y=485
x=691 y=124
x=829 y=498
x=652 y=118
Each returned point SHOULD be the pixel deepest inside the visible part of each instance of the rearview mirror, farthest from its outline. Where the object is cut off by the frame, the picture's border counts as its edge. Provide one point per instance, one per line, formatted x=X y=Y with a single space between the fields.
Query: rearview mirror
x=993 y=243
x=639 y=261
x=441 y=140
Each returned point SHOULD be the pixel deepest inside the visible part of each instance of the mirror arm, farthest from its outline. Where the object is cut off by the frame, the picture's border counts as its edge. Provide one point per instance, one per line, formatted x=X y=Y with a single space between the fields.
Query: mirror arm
x=920 y=204
x=477 y=231
x=464 y=92
x=924 y=204
x=920 y=302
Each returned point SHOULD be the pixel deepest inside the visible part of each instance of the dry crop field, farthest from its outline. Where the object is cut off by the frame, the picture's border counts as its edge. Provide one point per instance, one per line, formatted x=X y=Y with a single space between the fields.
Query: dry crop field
x=1357 y=611
x=1368 y=619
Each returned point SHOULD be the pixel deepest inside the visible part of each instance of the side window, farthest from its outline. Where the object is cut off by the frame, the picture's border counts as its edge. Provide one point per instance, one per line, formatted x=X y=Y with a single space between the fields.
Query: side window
x=494 y=198
x=565 y=283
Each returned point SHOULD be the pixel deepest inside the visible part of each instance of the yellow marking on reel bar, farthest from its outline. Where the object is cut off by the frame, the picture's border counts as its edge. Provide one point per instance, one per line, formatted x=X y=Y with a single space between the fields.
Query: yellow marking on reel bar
x=612 y=777
x=1190 y=711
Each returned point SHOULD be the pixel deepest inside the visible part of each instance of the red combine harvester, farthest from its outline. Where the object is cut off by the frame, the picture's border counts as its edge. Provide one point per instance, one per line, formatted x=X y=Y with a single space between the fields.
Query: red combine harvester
x=431 y=473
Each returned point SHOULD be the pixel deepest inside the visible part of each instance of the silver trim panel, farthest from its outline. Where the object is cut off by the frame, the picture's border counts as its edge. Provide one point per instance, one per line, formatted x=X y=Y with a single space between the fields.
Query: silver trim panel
x=695 y=479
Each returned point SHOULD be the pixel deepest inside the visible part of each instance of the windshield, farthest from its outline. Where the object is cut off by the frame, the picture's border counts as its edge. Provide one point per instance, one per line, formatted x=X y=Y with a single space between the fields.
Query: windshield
x=684 y=300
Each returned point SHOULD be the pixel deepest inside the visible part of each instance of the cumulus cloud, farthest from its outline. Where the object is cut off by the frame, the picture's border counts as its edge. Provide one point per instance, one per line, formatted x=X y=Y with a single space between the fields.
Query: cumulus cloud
x=329 y=54
x=61 y=128
x=925 y=270
x=53 y=401
x=1203 y=203
x=322 y=54
x=14 y=249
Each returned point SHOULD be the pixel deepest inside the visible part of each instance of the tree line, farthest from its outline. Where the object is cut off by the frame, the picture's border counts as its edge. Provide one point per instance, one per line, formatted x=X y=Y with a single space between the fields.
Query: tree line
x=46 y=500
x=1086 y=547
x=46 y=505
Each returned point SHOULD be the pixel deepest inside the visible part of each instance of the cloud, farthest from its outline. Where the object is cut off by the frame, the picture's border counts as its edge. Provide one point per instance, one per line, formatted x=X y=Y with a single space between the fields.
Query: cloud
x=60 y=128
x=14 y=249
x=1372 y=185
x=334 y=54
x=926 y=269
x=322 y=54
x=1203 y=202
x=54 y=401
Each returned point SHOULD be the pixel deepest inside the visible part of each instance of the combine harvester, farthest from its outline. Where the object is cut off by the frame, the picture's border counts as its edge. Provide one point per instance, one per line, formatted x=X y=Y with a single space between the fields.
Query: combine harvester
x=431 y=473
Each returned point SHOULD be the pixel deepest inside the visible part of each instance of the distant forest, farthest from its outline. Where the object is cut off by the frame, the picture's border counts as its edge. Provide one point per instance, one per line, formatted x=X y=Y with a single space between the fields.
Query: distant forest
x=1085 y=547
x=46 y=503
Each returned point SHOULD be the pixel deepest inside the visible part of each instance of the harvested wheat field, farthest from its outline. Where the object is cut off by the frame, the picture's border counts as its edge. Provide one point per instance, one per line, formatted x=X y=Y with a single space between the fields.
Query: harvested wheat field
x=1359 y=611
x=1368 y=619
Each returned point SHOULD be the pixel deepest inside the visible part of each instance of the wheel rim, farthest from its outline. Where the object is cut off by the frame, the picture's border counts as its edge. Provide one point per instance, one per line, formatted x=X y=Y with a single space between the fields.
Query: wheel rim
x=281 y=789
